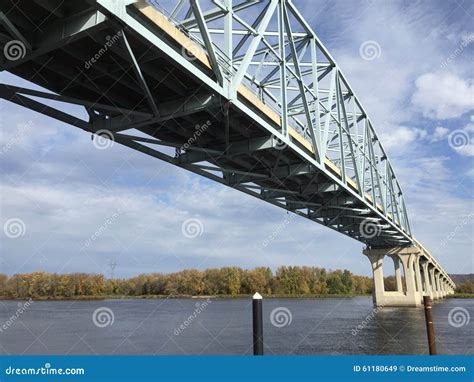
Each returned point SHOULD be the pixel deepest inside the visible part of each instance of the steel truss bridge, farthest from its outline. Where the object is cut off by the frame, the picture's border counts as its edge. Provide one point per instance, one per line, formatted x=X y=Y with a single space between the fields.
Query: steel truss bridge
x=239 y=91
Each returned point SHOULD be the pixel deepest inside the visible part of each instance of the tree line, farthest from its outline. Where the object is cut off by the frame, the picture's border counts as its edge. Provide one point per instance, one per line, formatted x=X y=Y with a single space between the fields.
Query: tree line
x=287 y=280
x=467 y=286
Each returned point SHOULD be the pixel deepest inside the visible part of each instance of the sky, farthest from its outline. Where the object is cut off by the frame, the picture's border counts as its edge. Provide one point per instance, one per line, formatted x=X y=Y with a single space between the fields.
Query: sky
x=68 y=205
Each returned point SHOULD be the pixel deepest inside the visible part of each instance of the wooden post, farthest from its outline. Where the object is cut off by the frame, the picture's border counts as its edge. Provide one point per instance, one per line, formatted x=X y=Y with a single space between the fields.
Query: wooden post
x=429 y=325
x=257 y=324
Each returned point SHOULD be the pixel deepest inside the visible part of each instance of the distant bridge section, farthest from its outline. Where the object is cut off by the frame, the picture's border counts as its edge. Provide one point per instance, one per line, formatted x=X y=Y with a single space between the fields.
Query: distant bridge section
x=241 y=92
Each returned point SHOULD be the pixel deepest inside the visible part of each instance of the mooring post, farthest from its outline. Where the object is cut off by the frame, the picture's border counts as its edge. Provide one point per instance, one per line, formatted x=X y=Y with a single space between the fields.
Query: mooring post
x=429 y=325
x=257 y=324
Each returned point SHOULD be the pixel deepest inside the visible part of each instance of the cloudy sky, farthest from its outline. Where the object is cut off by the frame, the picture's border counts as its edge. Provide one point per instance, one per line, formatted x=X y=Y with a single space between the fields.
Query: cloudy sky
x=80 y=208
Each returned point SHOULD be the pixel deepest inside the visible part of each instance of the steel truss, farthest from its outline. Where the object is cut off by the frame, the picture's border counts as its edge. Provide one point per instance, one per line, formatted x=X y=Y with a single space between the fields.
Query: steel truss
x=286 y=125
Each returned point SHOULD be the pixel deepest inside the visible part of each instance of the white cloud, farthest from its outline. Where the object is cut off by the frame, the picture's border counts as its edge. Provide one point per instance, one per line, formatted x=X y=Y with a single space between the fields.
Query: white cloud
x=72 y=228
x=432 y=193
x=440 y=133
x=470 y=173
x=399 y=137
x=467 y=150
x=443 y=95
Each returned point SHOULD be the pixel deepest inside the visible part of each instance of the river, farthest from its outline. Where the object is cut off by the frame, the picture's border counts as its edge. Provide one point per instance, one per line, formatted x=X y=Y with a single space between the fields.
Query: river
x=224 y=326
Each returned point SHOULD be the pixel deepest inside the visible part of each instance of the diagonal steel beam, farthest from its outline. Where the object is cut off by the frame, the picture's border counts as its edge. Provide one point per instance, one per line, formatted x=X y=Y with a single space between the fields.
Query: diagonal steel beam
x=139 y=75
x=207 y=40
x=239 y=76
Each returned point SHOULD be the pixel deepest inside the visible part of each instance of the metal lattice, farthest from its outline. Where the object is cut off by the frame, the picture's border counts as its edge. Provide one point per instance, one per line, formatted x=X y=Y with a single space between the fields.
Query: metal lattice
x=281 y=121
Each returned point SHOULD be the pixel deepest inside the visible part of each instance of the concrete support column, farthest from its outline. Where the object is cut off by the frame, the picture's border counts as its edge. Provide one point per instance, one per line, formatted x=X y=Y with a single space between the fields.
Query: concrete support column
x=438 y=285
x=377 y=272
x=408 y=260
x=398 y=273
x=419 y=285
x=433 y=284
x=443 y=287
x=428 y=291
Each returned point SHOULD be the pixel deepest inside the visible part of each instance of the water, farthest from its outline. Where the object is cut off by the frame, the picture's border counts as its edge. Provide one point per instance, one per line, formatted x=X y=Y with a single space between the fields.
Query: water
x=318 y=326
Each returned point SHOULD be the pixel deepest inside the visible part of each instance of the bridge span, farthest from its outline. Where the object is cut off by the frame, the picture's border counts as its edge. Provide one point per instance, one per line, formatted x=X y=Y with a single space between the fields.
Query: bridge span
x=242 y=92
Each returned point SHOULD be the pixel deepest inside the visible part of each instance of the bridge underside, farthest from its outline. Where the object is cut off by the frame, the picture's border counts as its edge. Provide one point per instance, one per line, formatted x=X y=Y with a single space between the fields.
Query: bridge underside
x=193 y=126
x=140 y=80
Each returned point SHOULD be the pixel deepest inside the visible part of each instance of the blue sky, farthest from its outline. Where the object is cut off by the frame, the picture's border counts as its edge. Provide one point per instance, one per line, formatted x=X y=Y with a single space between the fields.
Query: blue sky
x=83 y=208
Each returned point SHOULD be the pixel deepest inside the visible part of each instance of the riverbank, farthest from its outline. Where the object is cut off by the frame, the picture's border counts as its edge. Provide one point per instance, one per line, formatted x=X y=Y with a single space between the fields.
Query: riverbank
x=148 y=297
x=461 y=295
x=184 y=296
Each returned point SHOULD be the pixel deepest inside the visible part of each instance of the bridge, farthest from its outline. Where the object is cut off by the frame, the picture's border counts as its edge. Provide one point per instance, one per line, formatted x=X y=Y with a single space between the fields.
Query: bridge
x=242 y=92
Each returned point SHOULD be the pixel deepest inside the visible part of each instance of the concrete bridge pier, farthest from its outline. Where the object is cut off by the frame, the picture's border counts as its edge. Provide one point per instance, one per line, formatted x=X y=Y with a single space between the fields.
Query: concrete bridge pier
x=419 y=283
x=398 y=273
x=440 y=288
x=443 y=288
x=378 y=293
x=435 y=295
x=427 y=286
x=413 y=295
x=449 y=290
x=409 y=258
x=421 y=277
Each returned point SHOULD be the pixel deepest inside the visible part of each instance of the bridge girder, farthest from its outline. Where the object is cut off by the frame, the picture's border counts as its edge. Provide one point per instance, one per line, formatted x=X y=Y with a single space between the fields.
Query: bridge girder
x=286 y=126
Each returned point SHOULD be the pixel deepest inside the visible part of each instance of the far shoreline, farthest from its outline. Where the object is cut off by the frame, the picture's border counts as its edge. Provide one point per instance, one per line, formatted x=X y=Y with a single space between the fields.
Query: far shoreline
x=189 y=297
